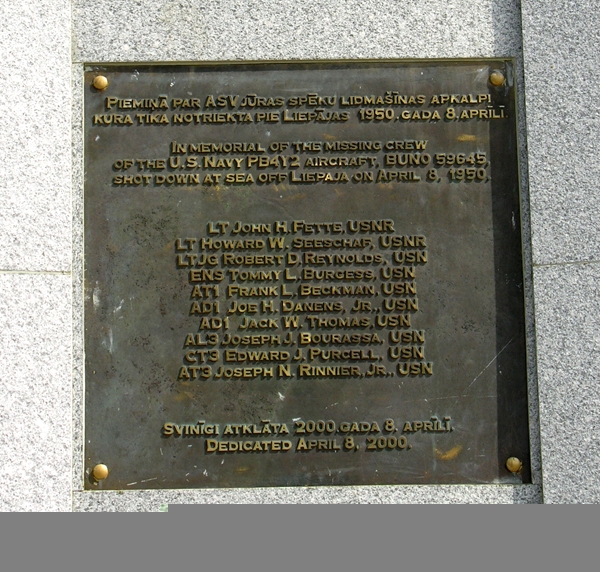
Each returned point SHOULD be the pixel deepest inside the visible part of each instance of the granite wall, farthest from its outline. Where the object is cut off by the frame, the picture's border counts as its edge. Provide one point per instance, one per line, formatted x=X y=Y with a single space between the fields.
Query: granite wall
x=47 y=42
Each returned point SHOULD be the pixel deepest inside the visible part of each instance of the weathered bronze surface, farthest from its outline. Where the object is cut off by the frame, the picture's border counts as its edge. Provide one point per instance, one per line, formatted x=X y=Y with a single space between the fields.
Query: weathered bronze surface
x=303 y=274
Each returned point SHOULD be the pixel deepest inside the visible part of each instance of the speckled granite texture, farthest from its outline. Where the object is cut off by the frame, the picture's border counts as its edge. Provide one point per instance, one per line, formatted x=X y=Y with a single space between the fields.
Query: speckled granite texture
x=561 y=54
x=35 y=392
x=153 y=501
x=35 y=258
x=35 y=186
x=568 y=338
x=163 y=30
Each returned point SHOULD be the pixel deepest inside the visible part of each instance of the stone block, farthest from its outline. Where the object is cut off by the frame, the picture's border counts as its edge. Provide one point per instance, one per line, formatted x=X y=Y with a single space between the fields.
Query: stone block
x=560 y=43
x=35 y=187
x=568 y=356
x=35 y=392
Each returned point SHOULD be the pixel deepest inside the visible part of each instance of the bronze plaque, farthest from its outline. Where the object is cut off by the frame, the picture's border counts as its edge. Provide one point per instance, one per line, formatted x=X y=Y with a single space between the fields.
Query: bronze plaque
x=303 y=274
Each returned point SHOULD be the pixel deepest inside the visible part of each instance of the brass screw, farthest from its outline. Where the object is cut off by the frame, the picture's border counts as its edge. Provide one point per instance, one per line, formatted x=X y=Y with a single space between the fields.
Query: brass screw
x=497 y=78
x=514 y=465
x=100 y=83
x=100 y=472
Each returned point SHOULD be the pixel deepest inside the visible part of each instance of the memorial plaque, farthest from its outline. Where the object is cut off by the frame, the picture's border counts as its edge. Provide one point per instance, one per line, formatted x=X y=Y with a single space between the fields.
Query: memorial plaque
x=303 y=274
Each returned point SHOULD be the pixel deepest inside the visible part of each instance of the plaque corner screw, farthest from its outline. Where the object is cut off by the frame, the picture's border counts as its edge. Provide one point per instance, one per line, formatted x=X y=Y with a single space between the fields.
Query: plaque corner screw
x=100 y=82
x=100 y=472
x=514 y=465
x=497 y=78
